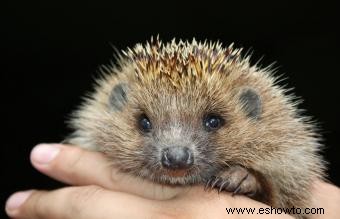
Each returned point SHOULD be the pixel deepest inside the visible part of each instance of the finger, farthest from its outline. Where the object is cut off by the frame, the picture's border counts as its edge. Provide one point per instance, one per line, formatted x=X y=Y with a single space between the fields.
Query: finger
x=72 y=165
x=211 y=204
x=87 y=202
x=77 y=166
x=325 y=200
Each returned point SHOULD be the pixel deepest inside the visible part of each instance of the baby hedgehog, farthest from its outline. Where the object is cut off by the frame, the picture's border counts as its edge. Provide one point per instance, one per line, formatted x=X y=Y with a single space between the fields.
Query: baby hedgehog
x=185 y=113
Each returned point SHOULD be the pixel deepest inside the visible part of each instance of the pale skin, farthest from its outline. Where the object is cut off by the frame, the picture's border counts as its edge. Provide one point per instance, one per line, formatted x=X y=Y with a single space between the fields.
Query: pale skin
x=97 y=191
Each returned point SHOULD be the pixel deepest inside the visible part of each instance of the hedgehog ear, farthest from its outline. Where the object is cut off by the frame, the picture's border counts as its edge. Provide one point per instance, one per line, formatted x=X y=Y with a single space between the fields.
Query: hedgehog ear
x=252 y=104
x=118 y=96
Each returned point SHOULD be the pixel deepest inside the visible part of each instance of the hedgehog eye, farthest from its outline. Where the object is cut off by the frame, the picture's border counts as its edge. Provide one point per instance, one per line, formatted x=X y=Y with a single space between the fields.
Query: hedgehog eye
x=144 y=123
x=212 y=122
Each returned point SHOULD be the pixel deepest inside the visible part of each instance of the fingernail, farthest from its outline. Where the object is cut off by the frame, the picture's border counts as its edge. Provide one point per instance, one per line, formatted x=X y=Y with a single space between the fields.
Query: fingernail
x=16 y=200
x=44 y=153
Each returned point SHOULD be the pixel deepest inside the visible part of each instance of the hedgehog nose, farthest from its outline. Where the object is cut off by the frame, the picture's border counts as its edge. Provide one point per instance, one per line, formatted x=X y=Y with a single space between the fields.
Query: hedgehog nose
x=177 y=158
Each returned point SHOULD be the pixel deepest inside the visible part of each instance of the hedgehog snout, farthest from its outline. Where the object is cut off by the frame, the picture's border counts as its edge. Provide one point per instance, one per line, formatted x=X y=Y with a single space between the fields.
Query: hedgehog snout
x=177 y=158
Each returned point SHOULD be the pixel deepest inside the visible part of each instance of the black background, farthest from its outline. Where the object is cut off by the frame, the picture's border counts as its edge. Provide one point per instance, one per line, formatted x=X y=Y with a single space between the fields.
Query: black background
x=52 y=52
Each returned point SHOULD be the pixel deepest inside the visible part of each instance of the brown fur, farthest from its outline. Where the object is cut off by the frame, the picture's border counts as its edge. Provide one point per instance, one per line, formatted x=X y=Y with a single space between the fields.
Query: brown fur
x=176 y=84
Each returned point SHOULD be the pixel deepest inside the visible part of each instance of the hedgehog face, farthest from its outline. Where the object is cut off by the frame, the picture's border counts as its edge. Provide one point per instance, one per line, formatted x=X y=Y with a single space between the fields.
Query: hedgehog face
x=171 y=129
x=179 y=113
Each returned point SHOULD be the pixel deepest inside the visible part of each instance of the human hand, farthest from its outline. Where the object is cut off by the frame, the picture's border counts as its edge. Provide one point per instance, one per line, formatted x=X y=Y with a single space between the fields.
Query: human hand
x=114 y=195
x=326 y=196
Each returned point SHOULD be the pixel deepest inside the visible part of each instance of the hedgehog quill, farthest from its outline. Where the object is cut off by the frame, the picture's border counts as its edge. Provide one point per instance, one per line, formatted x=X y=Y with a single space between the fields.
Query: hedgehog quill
x=185 y=113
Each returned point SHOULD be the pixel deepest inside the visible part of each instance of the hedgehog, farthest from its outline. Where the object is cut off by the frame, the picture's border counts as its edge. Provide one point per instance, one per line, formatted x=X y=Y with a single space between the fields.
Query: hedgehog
x=187 y=113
